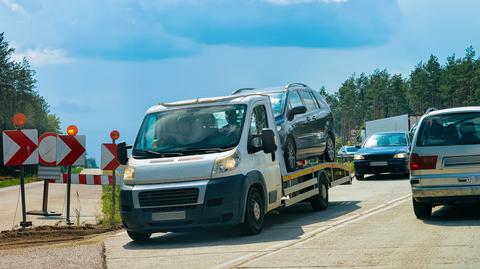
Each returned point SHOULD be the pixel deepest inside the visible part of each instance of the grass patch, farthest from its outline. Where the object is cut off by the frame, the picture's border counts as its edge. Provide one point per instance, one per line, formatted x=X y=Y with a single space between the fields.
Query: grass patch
x=7 y=182
x=107 y=205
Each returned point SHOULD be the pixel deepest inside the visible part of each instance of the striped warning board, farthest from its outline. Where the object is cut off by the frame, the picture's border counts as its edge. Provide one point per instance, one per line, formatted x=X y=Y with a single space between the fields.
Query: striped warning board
x=87 y=179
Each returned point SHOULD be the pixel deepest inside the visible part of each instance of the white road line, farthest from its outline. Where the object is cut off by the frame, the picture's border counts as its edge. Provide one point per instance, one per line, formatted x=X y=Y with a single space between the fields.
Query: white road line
x=310 y=235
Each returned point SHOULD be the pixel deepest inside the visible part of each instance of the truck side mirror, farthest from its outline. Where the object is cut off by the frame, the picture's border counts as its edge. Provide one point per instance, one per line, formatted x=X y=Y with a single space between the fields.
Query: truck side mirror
x=268 y=141
x=122 y=154
x=295 y=111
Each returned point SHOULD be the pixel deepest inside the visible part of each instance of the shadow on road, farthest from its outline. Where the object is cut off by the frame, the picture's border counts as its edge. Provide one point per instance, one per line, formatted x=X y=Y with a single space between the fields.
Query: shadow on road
x=284 y=224
x=385 y=177
x=456 y=215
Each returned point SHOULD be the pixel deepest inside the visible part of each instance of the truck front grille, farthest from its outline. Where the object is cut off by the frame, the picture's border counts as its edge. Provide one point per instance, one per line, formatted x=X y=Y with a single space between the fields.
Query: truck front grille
x=168 y=197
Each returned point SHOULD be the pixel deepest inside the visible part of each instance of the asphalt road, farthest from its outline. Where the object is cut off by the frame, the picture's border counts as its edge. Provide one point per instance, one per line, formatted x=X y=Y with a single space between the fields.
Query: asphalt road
x=369 y=224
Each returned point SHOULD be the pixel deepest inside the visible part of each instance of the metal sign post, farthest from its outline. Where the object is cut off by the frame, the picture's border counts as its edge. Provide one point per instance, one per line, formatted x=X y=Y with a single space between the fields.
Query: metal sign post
x=114 y=135
x=110 y=162
x=69 y=186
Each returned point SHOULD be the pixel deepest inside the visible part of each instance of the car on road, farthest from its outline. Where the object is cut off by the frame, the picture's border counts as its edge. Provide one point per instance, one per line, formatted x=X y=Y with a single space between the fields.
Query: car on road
x=445 y=159
x=382 y=152
x=304 y=121
x=346 y=153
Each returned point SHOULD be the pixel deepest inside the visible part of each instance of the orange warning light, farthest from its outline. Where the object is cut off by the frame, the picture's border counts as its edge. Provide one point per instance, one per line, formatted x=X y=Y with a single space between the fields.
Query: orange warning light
x=72 y=130
x=114 y=134
x=19 y=119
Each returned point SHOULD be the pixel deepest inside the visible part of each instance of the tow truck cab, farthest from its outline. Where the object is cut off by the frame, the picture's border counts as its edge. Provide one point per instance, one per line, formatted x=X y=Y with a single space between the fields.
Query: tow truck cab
x=212 y=161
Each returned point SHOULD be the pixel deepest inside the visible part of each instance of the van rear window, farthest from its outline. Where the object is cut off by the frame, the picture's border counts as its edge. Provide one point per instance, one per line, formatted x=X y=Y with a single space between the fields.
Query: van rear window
x=450 y=129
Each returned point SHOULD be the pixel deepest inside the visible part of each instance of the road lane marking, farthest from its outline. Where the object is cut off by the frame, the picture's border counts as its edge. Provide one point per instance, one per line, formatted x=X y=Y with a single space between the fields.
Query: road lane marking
x=312 y=234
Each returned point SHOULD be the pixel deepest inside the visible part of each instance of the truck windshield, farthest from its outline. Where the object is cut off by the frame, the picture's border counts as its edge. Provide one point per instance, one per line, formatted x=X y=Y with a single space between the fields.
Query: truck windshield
x=190 y=131
x=386 y=140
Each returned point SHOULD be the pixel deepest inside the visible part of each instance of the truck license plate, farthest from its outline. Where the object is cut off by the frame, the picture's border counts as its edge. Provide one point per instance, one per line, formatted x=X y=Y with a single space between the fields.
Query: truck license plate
x=176 y=215
x=378 y=163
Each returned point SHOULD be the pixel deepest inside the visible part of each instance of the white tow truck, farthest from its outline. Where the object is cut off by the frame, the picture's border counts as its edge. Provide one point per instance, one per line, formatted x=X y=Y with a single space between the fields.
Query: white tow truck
x=214 y=161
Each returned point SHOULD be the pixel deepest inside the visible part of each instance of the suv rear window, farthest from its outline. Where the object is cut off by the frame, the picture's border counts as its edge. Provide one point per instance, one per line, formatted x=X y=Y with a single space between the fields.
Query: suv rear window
x=450 y=129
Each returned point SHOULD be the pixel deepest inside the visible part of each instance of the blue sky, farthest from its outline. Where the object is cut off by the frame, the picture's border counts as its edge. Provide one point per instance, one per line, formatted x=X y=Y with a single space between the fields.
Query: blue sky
x=101 y=64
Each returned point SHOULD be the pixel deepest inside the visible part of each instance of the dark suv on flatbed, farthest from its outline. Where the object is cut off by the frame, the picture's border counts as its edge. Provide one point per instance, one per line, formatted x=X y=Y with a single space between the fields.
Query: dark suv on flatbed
x=304 y=121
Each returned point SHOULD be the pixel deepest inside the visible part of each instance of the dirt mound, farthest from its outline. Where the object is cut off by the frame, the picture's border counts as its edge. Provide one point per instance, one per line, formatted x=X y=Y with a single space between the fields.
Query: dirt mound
x=43 y=235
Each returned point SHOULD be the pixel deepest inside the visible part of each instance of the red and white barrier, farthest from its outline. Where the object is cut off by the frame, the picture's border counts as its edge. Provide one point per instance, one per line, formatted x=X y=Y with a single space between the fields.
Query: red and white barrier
x=87 y=179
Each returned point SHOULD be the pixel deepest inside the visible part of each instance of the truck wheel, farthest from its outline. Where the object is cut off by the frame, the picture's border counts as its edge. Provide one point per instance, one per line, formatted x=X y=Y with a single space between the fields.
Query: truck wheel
x=422 y=210
x=359 y=177
x=320 y=201
x=290 y=155
x=138 y=236
x=254 y=212
x=329 y=154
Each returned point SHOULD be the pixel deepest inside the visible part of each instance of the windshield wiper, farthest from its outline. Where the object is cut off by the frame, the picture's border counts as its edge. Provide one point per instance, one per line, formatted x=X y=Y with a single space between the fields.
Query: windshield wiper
x=204 y=150
x=157 y=153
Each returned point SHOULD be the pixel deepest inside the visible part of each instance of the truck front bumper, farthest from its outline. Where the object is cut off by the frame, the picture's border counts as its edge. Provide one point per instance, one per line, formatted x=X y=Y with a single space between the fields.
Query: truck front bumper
x=446 y=194
x=155 y=208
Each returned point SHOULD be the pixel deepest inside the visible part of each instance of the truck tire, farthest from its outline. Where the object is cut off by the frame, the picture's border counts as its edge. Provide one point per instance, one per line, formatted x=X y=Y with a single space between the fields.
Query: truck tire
x=329 y=154
x=138 y=236
x=254 y=212
x=290 y=155
x=320 y=201
x=421 y=210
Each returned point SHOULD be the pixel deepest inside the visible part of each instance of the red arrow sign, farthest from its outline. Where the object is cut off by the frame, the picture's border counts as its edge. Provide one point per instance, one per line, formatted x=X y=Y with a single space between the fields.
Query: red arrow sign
x=70 y=150
x=109 y=157
x=20 y=147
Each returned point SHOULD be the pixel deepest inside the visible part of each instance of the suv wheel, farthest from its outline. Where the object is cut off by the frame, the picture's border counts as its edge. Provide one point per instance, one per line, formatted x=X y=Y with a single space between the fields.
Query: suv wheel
x=254 y=212
x=422 y=210
x=139 y=237
x=329 y=154
x=290 y=155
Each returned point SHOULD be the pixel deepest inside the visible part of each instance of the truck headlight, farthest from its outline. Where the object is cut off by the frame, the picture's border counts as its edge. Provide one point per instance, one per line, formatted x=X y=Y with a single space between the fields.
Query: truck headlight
x=226 y=164
x=128 y=174
x=400 y=155
x=358 y=157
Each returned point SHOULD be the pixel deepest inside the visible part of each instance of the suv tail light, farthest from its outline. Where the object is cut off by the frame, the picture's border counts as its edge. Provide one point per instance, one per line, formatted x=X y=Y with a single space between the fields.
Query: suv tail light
x=422 y=162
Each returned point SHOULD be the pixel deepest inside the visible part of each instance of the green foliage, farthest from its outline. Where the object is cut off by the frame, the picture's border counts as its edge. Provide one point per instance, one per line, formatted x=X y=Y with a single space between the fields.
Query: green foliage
x=15 y=181
x=17 y=94
x=53 y=124
x=379 y=95
x=107 y=205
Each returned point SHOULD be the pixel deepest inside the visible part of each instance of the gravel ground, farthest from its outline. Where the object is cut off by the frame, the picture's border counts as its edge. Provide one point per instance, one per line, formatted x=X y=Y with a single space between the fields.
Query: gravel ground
x=60 y=256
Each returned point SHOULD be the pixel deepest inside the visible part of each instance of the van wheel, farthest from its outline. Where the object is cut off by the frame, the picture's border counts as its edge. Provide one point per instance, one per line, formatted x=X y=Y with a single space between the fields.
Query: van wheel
x=329 y=154
x=422 y=210
x=320 y=201
x=290 y=155
x=254 y=212
x=139 y=237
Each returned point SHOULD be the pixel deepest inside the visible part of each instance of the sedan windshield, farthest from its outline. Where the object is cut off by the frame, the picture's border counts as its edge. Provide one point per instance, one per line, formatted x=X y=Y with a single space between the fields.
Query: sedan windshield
x=277 y=99
x=189 y=131
x=386 y=140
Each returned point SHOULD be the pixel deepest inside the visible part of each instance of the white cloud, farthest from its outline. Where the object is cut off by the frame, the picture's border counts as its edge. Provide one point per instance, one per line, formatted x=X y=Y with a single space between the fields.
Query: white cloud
x=38 y=57
x=17 y=8
x=294 y=2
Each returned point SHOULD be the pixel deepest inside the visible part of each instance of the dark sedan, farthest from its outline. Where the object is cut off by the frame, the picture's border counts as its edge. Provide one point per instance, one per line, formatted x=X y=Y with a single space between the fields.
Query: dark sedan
x=384 y=152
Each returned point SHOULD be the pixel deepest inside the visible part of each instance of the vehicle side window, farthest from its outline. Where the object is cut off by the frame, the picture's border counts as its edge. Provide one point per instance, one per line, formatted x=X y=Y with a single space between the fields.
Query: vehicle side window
x=308 y=99
x=320 y=101
x=258 y=123
x=294 y=100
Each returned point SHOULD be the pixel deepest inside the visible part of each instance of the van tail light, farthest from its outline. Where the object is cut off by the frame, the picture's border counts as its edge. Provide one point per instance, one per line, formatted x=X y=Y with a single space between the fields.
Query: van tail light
x=422 y=162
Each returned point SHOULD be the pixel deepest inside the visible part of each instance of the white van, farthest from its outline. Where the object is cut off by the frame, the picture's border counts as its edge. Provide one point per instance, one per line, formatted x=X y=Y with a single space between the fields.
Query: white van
x=212 y=161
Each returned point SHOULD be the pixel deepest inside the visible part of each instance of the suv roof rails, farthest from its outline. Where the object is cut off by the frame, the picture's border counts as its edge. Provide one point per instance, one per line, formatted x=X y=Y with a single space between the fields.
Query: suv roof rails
x=430 y=109
x=242 y=89
x=296 y=84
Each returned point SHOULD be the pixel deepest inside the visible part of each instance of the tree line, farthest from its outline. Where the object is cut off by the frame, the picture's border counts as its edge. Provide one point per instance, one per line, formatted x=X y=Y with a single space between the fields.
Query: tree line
x=430 y=84
x=18 y=94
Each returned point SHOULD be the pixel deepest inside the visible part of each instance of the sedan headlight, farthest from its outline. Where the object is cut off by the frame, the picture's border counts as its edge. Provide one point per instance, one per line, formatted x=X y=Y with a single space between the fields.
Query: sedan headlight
x=402 y=155
x=128 y=174
x=226 y=164
x=358 y=157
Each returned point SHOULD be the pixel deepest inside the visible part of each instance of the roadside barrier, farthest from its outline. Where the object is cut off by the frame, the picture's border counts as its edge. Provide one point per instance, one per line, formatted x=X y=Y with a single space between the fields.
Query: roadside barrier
x=86 y=179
